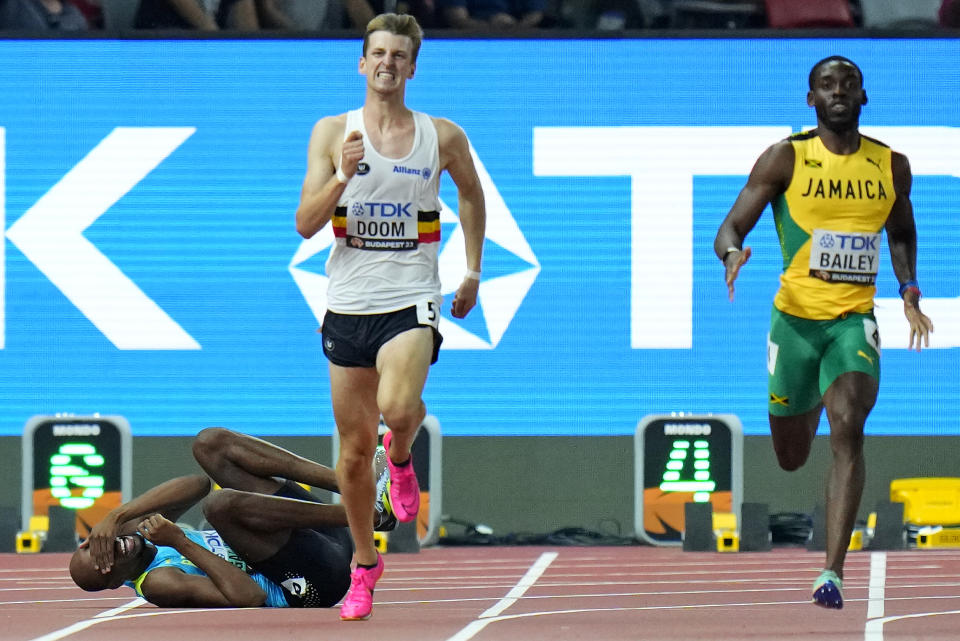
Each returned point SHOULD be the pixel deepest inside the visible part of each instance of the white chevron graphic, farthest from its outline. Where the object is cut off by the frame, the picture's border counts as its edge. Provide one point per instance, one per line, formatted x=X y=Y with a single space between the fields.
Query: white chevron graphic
x=932 y=151
x=50 y=235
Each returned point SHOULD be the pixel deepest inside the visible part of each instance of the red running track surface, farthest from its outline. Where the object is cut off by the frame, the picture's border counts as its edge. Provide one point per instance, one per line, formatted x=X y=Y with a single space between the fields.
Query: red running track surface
x=536 y=594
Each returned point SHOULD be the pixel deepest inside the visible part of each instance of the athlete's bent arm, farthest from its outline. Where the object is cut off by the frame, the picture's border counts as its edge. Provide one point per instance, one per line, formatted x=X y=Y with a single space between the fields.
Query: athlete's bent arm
x=321 y=188
x=769 y=177
x=902 y=238
x=225 y=585
x=171 y=498
x=455 y=157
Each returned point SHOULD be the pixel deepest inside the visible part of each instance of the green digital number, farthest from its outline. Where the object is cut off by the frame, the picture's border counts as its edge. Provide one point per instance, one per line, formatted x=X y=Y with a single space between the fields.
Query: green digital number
x=688 y=470
x=74 y=465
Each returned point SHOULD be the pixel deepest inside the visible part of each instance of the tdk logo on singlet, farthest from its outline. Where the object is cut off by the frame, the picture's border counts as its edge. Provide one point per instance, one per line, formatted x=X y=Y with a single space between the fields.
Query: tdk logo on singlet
x=381 y=210
x=851 y=243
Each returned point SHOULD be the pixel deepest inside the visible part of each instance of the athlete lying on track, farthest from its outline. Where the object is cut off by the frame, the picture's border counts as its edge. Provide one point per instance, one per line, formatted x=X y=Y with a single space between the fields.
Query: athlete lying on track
x=273 y=543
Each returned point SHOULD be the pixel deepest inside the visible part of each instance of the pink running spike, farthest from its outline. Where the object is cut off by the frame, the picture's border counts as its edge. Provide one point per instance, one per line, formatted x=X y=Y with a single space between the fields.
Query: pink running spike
x=358 y=604
x=404 y=489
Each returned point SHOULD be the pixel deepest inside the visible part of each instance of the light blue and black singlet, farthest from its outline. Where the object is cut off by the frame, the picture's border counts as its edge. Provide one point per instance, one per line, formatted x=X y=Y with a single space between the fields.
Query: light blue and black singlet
x=168 y=557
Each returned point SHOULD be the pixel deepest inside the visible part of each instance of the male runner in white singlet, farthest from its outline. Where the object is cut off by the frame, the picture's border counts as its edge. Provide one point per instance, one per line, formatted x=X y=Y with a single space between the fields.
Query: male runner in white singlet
x=374 y=174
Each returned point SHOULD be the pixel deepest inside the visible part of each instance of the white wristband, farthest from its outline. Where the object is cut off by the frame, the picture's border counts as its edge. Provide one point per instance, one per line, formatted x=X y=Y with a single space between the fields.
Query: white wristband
x=342 y=177
x=730 y=250
x=472 y=275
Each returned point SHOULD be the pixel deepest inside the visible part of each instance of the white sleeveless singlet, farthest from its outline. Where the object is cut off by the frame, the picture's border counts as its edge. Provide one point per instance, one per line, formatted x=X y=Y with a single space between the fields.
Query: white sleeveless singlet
x=387 y=227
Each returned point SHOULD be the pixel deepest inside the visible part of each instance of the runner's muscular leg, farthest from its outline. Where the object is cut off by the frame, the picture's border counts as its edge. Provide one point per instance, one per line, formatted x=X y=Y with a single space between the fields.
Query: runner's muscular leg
x=242 y=462
x=403 y=363
x=848 y=400
x=354 y=394
x=257 y=525
x=793 y=436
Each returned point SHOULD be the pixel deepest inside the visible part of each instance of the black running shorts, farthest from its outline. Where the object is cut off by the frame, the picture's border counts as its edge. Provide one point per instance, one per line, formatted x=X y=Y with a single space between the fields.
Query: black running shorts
x=353 y=340
x=314 y=566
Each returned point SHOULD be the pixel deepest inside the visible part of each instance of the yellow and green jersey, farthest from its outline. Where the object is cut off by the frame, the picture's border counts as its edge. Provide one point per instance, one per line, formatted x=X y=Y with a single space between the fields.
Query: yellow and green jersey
x=829 y=222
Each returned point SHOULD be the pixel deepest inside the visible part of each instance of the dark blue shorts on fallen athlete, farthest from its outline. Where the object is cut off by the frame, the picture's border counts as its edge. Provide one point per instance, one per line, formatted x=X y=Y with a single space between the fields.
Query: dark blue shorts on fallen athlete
x=353 y=340
x=315 y=563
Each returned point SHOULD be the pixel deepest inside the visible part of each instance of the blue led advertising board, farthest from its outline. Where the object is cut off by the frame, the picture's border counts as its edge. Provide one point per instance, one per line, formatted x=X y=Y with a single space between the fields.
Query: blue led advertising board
x=152 y=270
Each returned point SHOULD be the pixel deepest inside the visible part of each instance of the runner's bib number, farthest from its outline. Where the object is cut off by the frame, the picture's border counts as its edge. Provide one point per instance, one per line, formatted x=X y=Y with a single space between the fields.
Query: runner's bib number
x=844 y=257
x=428 y=313
x=382 y=226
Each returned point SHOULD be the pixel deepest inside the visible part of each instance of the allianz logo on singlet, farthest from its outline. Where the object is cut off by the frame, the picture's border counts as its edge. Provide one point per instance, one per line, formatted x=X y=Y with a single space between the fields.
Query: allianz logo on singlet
x=425 y=172
x=845 y=189
x=381 y=210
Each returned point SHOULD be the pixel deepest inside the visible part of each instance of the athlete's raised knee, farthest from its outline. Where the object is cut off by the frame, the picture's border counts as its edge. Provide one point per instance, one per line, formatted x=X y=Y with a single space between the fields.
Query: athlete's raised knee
x=848 y=420
x=211 y=444
x=847 y=440
x=405 y=417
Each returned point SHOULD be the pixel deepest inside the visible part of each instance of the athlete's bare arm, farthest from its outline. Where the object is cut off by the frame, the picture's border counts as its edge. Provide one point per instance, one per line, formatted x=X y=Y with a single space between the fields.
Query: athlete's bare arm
x=321 y=189
x=171 y=498
x=225 y=586
x=902 y=239
x=455 y=158
x=770 y=176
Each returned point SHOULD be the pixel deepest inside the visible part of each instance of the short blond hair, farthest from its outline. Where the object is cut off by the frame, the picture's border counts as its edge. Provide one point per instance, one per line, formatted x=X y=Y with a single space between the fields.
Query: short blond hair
x=397 y=24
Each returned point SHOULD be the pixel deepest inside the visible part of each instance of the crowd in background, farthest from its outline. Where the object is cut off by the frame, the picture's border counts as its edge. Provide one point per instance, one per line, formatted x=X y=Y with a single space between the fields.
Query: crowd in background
x=469 y=15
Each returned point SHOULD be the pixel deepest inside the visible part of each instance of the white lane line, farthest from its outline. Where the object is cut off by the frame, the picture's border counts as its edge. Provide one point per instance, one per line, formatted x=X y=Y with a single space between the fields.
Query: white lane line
x=911 y=599
x=874 y=630
x=67 y=631
x=525 y=583
x=35 y=579
x=878 y=581
x=83 y=625
x=120 y=609
x=42 y=589
x=32 y=601
x=475 y=627
x=491 y=613
x=25 y=570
